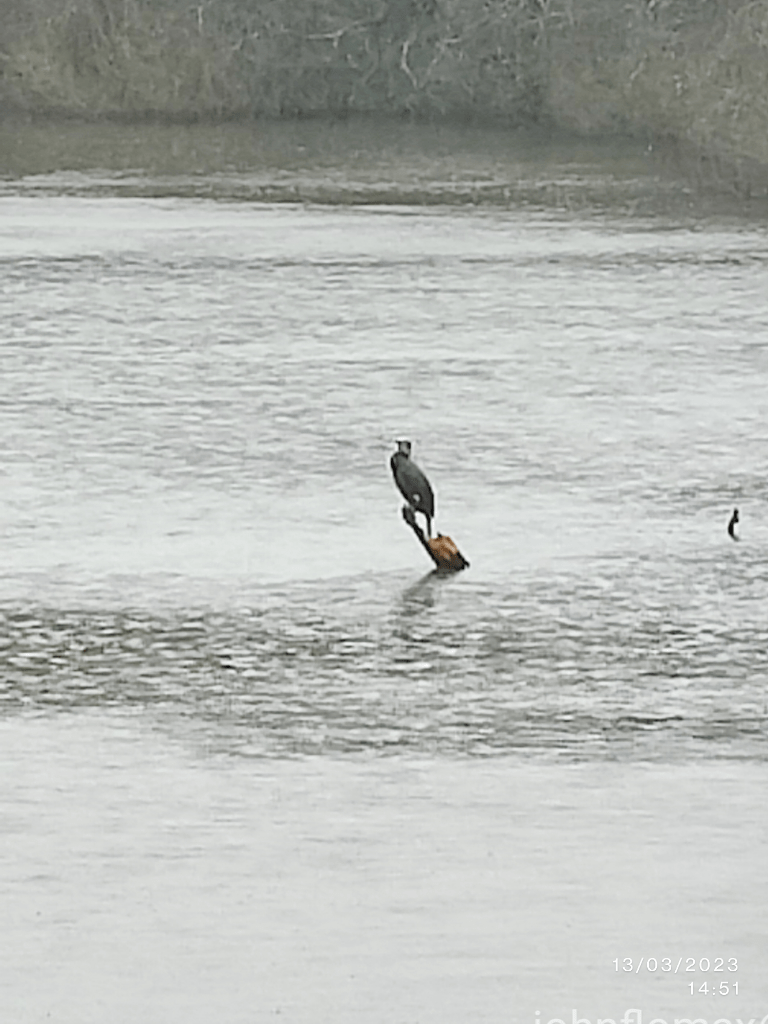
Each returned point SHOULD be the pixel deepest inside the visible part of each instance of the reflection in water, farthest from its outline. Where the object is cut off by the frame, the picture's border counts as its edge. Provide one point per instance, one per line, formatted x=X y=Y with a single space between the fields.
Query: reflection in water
x=359 y=160
x=421 y=595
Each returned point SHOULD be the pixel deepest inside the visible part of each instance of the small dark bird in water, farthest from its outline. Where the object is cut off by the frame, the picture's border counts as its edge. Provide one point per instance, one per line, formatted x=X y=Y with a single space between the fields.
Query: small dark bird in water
x=412 y=483
x=732 y=525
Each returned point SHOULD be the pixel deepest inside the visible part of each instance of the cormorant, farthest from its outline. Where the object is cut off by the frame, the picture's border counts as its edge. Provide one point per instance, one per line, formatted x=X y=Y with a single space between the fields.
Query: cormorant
x=732 y=525
x=412 y=483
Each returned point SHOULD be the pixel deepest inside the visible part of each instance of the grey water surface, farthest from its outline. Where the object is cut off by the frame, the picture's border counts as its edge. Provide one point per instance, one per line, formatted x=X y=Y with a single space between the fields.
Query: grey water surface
x=260 y=764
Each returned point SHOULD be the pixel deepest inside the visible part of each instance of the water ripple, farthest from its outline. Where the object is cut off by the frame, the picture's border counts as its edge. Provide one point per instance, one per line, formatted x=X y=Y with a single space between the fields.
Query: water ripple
x=451 y=671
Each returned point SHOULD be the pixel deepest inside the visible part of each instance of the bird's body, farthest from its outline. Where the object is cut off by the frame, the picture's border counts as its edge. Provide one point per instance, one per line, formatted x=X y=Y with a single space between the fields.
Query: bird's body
x=732 y=525
x=412 y=483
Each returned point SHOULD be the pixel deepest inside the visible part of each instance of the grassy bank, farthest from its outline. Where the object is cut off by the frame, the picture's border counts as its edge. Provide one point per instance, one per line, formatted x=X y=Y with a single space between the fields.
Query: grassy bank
x=692 y=70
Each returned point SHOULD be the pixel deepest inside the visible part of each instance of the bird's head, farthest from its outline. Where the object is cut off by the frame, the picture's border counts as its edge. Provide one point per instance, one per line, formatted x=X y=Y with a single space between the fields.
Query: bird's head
x=404 y=447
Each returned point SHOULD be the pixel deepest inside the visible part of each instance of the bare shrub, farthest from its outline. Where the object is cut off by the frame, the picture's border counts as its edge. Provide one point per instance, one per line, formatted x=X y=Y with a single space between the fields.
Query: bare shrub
x=692 y=70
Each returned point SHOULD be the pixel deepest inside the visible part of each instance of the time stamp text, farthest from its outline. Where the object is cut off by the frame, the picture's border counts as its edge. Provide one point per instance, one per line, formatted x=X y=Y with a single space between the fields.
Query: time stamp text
x=723 y=986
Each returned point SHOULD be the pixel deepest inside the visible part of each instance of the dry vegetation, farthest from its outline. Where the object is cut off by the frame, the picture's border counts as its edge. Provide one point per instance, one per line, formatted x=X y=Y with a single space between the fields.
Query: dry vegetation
x=691 y=70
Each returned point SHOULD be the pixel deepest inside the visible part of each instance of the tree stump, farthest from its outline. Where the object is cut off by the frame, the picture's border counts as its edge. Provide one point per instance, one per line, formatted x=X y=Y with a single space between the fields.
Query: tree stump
x=441 y=549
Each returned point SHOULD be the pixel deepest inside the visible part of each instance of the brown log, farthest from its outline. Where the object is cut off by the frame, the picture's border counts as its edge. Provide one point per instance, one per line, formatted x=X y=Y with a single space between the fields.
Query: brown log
x=441 y=549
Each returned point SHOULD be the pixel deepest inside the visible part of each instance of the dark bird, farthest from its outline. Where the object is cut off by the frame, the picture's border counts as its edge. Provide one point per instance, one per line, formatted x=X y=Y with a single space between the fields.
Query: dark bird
x=732 y=525
x=412 y=483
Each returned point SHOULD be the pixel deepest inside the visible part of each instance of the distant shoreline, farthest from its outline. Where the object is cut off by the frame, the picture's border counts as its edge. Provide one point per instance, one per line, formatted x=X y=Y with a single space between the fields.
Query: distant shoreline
x=684 y=71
